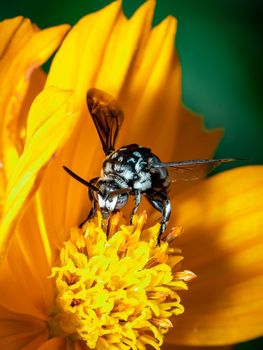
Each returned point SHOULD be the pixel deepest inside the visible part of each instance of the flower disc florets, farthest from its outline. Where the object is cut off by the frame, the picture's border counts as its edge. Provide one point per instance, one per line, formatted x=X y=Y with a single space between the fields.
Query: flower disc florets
x=118 y=292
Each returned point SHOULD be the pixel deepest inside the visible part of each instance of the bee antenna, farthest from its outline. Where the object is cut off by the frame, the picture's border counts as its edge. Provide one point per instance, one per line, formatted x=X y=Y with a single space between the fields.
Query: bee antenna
x=81 y=180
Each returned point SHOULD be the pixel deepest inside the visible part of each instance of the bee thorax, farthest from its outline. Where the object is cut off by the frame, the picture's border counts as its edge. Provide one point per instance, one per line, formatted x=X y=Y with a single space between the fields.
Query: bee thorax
x=130 y=166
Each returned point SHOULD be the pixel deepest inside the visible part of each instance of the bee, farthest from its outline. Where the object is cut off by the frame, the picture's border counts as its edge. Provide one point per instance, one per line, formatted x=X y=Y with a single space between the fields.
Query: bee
x=132 y=170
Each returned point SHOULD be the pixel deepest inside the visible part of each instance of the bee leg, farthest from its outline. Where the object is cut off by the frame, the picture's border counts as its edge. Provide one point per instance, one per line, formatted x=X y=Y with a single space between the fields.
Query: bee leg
x=137 y=203
x=161 y=202
x=91 y=214
x=92 y=211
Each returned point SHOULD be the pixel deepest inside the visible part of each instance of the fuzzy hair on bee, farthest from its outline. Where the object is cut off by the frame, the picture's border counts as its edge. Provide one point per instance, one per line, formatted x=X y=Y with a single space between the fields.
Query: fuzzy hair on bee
x=132 y=170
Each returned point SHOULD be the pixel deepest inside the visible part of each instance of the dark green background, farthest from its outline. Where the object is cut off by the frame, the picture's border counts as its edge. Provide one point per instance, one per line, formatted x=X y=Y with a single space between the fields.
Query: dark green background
x=219 y=43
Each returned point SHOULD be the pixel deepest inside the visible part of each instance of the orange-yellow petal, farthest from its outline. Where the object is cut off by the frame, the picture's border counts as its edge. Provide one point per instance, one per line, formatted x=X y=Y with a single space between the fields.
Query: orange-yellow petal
x=2 y=188
x=182 y=347
x=23 y=48
x=36 y=85
x=79 y=346
x=78 y=61
x=193 y=141
x=30 y=250
x=126 y=38
x=152 y=92
x=222 y=244
x=20 y=331
x=50 y=123
x=55 y=343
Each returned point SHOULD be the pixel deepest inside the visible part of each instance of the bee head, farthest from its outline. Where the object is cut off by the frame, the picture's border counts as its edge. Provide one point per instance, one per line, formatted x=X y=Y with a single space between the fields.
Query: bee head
x=110 y=196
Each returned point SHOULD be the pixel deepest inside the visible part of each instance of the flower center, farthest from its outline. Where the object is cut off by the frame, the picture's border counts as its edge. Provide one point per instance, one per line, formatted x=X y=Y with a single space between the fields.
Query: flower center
x=118 y=292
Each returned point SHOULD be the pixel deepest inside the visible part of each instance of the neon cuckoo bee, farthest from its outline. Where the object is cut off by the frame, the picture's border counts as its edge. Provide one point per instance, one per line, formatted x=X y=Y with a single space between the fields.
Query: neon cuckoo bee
x=132 y=170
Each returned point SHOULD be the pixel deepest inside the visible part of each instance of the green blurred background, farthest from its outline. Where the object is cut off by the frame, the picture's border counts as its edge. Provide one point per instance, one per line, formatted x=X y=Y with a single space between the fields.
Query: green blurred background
x=220 y=48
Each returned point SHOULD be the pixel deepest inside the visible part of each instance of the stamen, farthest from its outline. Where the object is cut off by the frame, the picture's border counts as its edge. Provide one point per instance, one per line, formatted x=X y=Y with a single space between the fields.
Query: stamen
x=185 y=275
x=120 y=291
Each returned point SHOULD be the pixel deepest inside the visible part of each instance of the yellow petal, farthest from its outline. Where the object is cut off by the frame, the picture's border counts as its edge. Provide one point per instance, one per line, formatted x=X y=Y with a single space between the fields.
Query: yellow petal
x=55 y=343
x=223 y=245
x=151 y=95
x=77 y=62
x=78 y=346
x=122 y=47
x=8 y=29
x=181 y=347
x=36 y=85
x=193 y=141
x=30 y=251
x=2 y=188
x=50 y=123
x=20 y=331
x=23 y=48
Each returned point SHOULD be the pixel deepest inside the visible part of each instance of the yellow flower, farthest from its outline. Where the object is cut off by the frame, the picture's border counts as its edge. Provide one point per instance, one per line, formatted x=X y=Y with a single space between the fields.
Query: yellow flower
x=117 y=292
x=41 y=206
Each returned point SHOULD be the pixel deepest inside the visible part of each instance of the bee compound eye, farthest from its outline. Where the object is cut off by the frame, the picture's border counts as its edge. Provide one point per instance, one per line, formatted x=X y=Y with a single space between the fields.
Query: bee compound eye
x=122 y=200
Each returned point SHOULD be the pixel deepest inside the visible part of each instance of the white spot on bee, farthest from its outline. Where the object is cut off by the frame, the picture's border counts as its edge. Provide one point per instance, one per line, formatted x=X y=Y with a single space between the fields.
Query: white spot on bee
x=139 y=165
x=168 y=206
x=114 y=155
x=142 y=186
x=101 y=201
x=137 y=154
x=131 y=160
x=127 y=174
x=108 y=168
x=117 y=167
x=120 y=159
x=111 y=203
x=144 y=182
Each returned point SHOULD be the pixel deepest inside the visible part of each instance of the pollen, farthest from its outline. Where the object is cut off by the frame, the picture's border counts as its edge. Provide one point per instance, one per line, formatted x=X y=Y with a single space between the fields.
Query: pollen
x=120 y=291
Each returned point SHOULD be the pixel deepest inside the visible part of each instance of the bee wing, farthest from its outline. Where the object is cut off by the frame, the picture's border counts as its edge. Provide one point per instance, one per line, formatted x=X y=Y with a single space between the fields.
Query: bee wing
x=191 y=170
x=107 y=117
